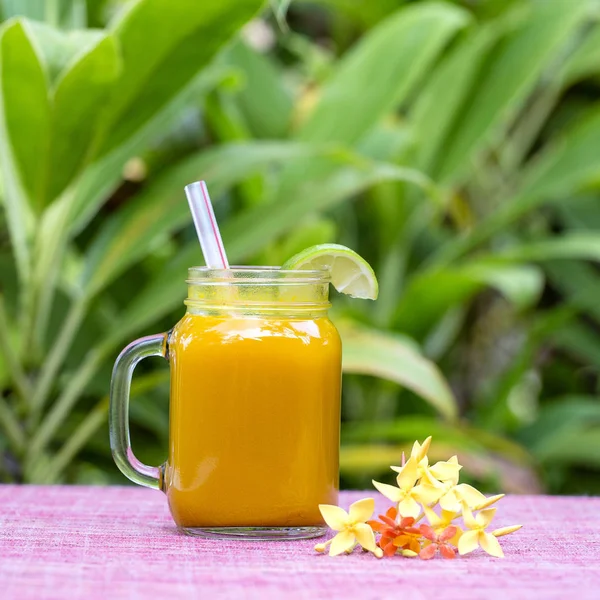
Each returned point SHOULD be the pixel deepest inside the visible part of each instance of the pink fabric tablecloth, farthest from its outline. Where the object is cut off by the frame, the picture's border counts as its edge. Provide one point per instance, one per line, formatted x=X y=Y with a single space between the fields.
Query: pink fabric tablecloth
x=120 y=542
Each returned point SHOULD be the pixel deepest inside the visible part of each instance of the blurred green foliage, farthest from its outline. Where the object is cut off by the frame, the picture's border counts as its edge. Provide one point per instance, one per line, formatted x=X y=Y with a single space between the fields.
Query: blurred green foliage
x=456 y=145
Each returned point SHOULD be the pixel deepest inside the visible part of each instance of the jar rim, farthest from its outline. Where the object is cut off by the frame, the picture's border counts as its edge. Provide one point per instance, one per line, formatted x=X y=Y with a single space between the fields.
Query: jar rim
x=257 y=274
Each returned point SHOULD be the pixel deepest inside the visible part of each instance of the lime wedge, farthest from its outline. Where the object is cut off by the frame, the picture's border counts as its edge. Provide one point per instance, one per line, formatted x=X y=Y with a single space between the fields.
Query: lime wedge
x=350 y=273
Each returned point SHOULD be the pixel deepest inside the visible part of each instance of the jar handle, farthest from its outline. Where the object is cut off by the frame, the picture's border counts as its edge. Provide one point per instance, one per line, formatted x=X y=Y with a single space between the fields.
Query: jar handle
x=118 y=415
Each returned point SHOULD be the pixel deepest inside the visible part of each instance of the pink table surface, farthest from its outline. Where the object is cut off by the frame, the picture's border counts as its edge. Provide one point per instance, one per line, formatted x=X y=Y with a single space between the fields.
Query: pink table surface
x=120 y=542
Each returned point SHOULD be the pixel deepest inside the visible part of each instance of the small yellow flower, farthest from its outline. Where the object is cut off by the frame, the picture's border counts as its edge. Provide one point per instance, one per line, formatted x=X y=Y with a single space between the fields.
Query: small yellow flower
x=454 y=494
x=478 y=536
x=441 y=471
x=446 y=470
x=408 y=495
x=419 y=451
x=352 y=527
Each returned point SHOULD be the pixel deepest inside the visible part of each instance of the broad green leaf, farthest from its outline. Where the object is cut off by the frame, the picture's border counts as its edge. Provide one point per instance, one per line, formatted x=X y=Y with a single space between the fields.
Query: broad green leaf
x=249 y=231
x=438 y=104
x=570 y=162
x=263 y=99
x=577 y=446
x=311 y=232
x=60 y=49
x=33 y=9
x=522 y=285
x=584 y=246
x=579 y=341
x=79 y=96
x=101 y=178
x=69 y=14
x=66 y=13
x=381 y=70
x=431 y=293
x=578 y=284
x=386 y=141
x=163 y=49
x=25 y=108
x=81 y=201
x=567 y=431
x=507 y=77
x=412 y=427
x=162 y=208
x=585 y=60
x=366 y=14
x=428 y=296
x=380 y=354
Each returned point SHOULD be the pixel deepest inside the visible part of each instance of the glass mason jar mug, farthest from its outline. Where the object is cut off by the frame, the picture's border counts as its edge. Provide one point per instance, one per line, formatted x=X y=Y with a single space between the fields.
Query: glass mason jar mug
x=254 y=417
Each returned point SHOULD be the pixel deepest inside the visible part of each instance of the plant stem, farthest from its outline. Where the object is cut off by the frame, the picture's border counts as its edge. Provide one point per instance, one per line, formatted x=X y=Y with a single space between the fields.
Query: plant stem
x=56 y=357
x=11 y=426
x=519 y=144
x=84 y=431
x=48 y=257
x=15 y=371
x=95 y=419
x=65 y=401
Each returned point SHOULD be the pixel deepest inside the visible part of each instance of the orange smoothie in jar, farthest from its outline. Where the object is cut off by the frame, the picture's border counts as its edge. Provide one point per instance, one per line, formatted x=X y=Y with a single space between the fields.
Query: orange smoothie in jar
x=254 y=418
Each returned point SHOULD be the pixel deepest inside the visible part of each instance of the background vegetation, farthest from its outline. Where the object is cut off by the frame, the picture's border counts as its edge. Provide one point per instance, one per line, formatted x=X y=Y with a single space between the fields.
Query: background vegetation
x=456 y=145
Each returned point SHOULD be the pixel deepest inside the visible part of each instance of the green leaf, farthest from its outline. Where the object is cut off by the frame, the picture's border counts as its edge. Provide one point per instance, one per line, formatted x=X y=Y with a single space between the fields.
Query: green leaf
x=25 y=108
x=66 y=13
x=386 y=141
x=584 y=246
x=585 y=60
x=567 y=431
x=430 y=294
x=79 y=96
x=34 y=9
x=161 y=207
x=578 y=283
x=521 y=285
x=579 y=341
x=163 y=48
x=570 y=163
x=249 y=231
x=79 y=203
x=101 y=178
x=381 y=71
x=60 y=49
x=414 y=427
x=370 y=352
x=510 y=74
x=439 y=103
x=263 y=99
x=313 y=231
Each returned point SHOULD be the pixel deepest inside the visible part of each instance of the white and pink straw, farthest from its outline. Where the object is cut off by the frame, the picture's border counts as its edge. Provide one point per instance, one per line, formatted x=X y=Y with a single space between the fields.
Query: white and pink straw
x=206 y=225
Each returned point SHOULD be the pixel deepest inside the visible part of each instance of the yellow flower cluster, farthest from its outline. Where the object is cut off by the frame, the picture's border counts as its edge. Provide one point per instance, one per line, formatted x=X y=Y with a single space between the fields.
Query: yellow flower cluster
x=421 y=487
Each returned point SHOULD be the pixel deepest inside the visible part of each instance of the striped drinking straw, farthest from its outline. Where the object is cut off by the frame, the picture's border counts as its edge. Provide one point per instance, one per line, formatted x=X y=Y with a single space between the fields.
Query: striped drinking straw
x=206 y=225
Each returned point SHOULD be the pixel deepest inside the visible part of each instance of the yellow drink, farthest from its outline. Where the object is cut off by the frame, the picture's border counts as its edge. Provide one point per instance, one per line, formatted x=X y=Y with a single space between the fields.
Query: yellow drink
x=254 y=421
